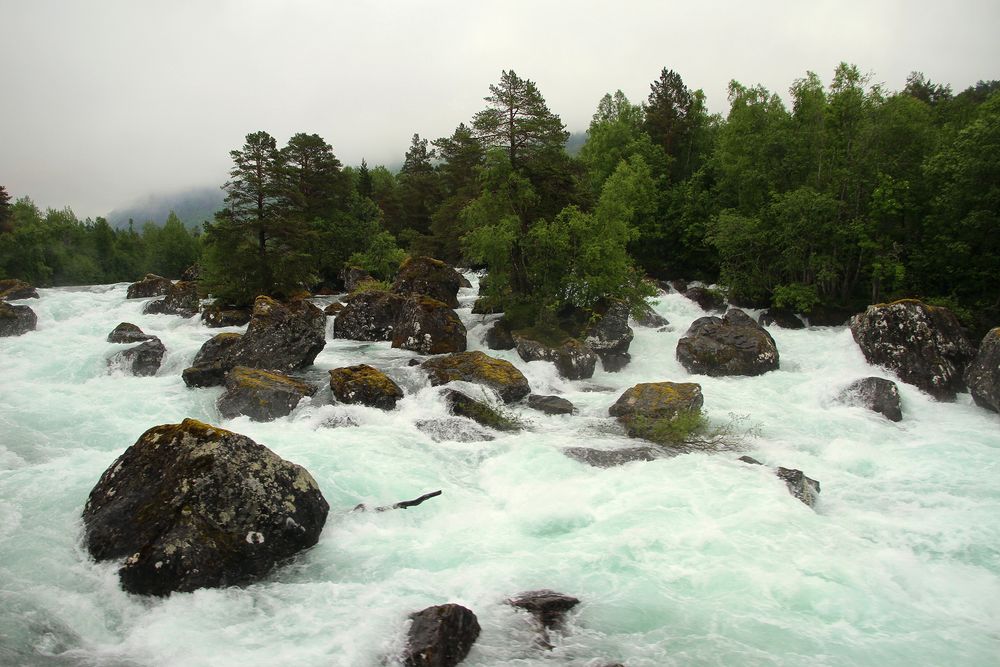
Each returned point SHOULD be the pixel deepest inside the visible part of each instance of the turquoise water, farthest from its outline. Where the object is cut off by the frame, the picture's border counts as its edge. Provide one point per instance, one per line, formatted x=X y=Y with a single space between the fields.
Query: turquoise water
x=695 y=560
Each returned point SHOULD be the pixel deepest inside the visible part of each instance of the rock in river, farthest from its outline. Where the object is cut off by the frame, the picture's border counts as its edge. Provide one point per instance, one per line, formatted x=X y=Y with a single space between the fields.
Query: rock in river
x=16 y=320
x=983 y=375
x=876 y=394
x=428 y=326
x=480 y=368
x=150 y=285
x=440 y=636
x=733 y=345
x=365 y=385
x=261 y=395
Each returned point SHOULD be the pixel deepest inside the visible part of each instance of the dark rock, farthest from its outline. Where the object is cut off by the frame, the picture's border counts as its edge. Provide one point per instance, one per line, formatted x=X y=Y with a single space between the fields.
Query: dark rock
x=365 y=385
x=573 y=359
x=428 y=326
x=610 y=337
x=126 y=332
x=983 y=374
x=551 y=405
x=707 y=299
x=333 y=309
x=751 y=460
x=498 y=337
x=262 y=396
x=16 y=320
x=218 y=315
x=352 y=276
x=800 y=486
x=464 y=282
x=651 y=401
x=486 y=305
x=829 y=316
x=430 y=277
x=191 y=506
x=548 y=607
x=12 y=289
x=650 y=318
x=150 y=285
x=461 y=405
x=680 y=285
x=924 y=345
x=440 y=636
x=609 y=458
x=414 y=362
x=369 y=316
x=876 y=394
x=733 y=345
x=142 y=360
x=191 y=274
x=210 y=365
x=454 y=429
x=181 y=299
x=480 y=368
x=785 y=319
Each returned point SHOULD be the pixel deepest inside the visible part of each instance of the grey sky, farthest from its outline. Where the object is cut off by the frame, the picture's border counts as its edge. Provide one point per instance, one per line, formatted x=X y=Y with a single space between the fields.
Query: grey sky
x=102 y=102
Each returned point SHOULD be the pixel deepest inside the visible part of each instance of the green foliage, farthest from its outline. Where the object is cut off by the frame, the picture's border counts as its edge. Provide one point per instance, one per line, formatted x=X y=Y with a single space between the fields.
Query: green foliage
x=796 y=297
x=382 y=257
x=371 y=286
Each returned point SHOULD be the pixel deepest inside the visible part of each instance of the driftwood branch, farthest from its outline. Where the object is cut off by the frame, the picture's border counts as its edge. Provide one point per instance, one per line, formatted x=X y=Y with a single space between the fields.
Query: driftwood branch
x=401 y=505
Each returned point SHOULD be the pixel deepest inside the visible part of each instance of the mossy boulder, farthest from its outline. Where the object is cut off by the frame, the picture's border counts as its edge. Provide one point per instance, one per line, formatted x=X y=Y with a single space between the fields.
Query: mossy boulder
x=261 y=395
x=651 y=401
x=370 y=315
x=924 y=345
x=143 y=360
x=150 y=285
x=428 y=326
x=708 y=299
x=126 y=332
x=16 y=320
x=876 y=394
x=181 y=299
x=480 y=368
x=462 y=405
x=211 y=364
x=365 y=385
x=12 y=289
x=983 y=374
x=732 y=345
x=193 y=506
x=780 y=317
x=430 y=277
x=218 y=315
x=574 y=359
x=440 y=636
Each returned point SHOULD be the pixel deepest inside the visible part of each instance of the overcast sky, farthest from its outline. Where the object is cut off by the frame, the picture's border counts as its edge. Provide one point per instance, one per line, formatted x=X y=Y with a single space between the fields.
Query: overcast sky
x=105 y=101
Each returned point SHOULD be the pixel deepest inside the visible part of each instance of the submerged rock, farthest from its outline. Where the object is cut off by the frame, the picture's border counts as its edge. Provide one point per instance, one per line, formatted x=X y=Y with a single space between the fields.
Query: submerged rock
x=609 y=458
x=455 y=429
x=548 y=607
x=440 y=636
x=574 y=359
x=610 y=337
x=429 y=277
x=16 y=320
x=261 y=395
x=126 y=332
x=479 y=368
x=218 y=315
x=801 y=487
x=551 y=405
x=480 y=412
x=428 y=326
x=150 y=285
x=780 y=317
x=924 y=345
x=12 y=289
x=369 y=316
x=365 y=385
x=876 y=394
x=983 y=374
x=192 y=506
x=143 y=360
x=733 y=345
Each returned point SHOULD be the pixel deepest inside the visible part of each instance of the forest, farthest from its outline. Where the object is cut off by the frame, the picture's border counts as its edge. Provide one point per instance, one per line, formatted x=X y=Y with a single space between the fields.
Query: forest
x=850 y=194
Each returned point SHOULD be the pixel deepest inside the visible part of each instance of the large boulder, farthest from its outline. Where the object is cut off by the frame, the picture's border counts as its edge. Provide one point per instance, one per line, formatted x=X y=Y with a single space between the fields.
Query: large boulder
x=428 y=326
x=707 y=299
x=461 y=405
x=733 y=345
x=126 y=332
x=430 y=277
x=611 y=336
x=480 y=368
x=150 y=285
x=650 y=318
x=262 y=396
x=780 y=317
x=210 y=364
x=280 y=337
x=440 y=636
x=365 y=385
x=16 y=320
x=924 y=345
x=983 y=374
x=498 y=337
x=876 y=394
x=142 y=360
x=12 y=289
x=574 y=359
x=218 y=315
x=181 y=299
x=369 y=315
x=192 y=506
x=648 y=402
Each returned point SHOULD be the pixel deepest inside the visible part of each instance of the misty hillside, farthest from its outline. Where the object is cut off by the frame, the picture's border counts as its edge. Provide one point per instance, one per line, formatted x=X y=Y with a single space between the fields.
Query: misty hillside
x=193 y=207
x=575 y=142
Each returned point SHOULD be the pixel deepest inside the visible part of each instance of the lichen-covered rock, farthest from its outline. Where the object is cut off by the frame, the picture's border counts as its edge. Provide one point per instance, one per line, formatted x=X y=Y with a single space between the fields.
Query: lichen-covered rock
x=574 y=359
x=12 y=289
x=611 y=336
x=780 y=317
x=548 y=607
x=16 y=320
x=365 y=385
x=462 y=405
x=210 y=365
x=352 y=276
x=261 y=395
x=430 y=277
x=983 y=374
x=218 y=315
x=707 y=299
x=650 y=318
x=126 y=332
x=876 y=394
x=480 y=368
x=551 y=405
x=610 y=458
x=181 y=299
x=440 y=636
x=654 y=401
x=733 y=345
x=369 y=316
x=924 y=345
x=428 y=326
x=143 y=360
x=498 y=337
x=192 y=506
x=150 y=285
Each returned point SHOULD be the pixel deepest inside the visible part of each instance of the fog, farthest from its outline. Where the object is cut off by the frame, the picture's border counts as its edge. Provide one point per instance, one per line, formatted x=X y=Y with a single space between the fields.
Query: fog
x=105 y=102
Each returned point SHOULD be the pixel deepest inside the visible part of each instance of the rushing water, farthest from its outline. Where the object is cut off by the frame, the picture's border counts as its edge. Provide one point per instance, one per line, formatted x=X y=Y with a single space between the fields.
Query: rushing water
x=694 y=560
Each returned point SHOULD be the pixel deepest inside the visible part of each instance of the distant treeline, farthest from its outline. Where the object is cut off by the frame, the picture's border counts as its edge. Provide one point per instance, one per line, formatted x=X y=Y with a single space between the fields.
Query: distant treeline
x=853 y=194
